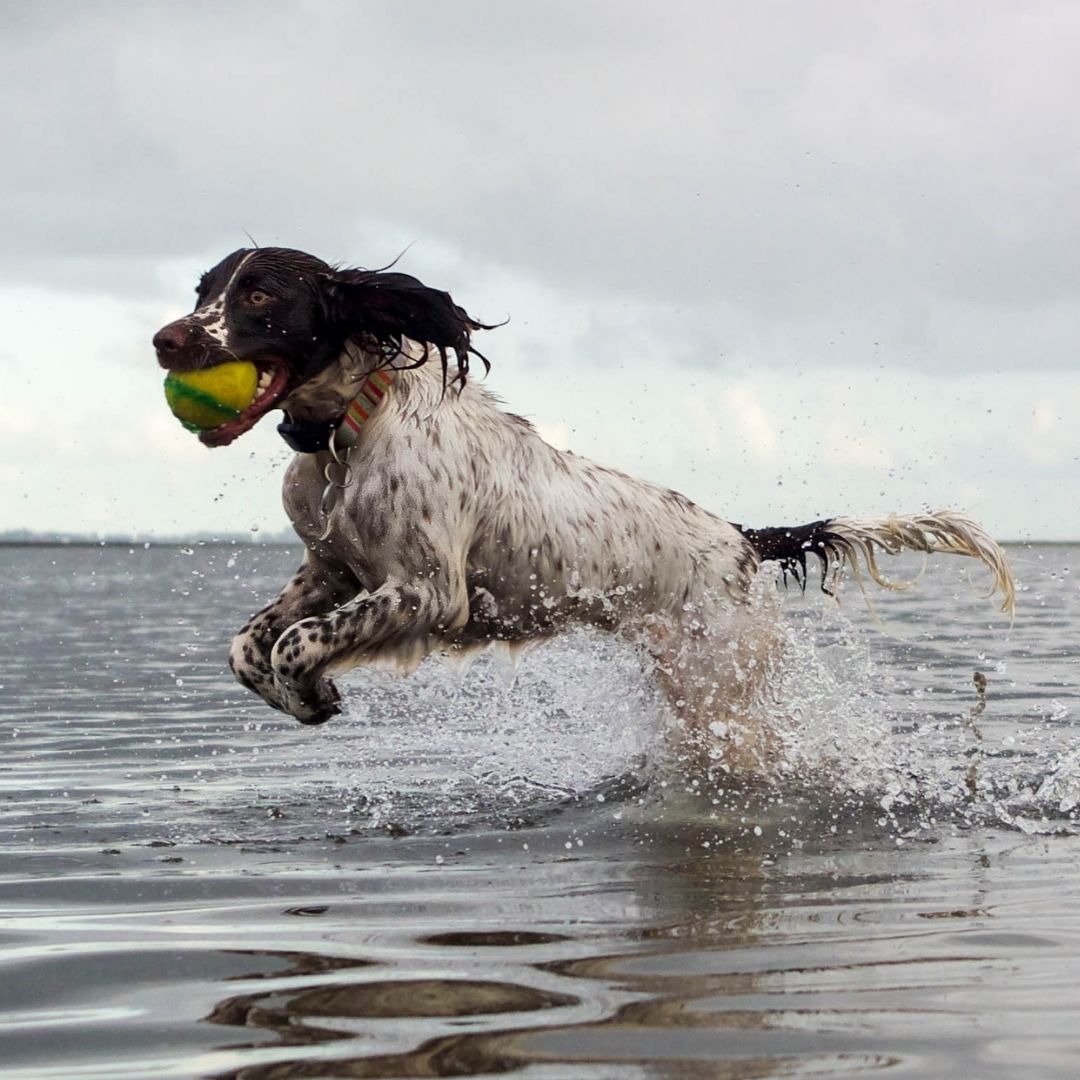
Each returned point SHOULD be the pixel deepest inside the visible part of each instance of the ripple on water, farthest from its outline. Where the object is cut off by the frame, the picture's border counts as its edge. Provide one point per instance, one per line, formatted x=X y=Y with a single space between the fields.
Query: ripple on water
x=479 y=875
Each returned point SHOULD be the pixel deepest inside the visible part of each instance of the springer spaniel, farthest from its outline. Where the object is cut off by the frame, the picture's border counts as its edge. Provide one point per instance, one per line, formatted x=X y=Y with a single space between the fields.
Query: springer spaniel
x=436 y=520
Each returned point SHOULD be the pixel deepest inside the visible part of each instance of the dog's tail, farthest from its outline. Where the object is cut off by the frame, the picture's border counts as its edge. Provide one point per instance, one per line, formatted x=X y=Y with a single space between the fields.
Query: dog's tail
x=845 y=541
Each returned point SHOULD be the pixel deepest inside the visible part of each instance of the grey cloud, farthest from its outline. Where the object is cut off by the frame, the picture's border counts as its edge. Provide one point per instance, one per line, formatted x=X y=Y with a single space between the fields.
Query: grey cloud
x=843 y=182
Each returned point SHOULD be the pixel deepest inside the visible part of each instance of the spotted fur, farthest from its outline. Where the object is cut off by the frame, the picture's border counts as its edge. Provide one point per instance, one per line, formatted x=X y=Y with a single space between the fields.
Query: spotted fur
x=462 y=527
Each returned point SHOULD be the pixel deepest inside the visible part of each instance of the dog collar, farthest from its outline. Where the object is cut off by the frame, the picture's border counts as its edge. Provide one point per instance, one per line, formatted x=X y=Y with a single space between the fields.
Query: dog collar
x=309 y=437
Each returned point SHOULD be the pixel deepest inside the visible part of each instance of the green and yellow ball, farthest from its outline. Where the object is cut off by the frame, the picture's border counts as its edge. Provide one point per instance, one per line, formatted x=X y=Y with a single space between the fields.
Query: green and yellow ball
x=212 y=396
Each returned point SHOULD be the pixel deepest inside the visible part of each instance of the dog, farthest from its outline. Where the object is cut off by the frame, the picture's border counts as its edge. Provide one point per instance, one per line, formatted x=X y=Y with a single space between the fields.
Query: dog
x=436 y=520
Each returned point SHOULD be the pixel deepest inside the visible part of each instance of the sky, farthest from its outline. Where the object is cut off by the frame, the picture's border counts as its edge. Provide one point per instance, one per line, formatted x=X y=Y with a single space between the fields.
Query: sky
x=794 y=260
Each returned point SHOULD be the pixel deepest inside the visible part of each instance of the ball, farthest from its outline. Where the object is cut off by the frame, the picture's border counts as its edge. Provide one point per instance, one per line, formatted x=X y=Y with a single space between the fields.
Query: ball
x=212 y=396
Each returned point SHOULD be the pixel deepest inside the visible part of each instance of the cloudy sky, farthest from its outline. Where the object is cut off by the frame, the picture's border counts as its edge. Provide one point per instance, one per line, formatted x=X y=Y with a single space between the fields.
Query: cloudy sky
x=793 y=259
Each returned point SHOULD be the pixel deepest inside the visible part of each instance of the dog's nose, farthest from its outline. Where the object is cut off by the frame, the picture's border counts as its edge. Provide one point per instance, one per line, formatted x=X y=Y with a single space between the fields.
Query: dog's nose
x=171 y=339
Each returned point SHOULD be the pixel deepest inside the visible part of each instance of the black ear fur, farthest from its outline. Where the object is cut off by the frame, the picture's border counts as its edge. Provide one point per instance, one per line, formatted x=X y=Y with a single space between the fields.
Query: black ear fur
x=377 y=309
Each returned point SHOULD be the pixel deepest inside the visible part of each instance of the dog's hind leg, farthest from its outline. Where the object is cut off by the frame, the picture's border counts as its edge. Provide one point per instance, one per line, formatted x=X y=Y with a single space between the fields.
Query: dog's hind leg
x=315 y=588
x=720 y=680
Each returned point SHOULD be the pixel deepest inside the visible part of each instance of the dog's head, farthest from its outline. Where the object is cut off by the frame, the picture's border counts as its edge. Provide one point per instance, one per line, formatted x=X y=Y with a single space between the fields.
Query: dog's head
x=294 y=316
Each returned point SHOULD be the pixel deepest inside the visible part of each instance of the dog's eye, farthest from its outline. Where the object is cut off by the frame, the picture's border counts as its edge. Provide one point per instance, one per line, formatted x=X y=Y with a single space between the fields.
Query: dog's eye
x=258 y=298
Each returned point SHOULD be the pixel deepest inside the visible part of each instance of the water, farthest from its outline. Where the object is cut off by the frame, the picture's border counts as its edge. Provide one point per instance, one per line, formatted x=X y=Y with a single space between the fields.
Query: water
x=473 y=874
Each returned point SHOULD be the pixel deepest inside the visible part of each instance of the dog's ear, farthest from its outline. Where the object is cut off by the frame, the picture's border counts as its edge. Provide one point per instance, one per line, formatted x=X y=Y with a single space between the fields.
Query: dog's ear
x=378 y=308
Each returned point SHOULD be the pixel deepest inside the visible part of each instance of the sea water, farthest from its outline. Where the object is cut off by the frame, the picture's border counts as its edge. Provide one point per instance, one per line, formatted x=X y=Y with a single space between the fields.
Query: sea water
x=502 y=868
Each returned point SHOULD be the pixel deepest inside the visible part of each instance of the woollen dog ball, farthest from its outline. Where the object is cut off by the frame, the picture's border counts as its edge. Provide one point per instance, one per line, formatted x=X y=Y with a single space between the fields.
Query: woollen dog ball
x=211 y=396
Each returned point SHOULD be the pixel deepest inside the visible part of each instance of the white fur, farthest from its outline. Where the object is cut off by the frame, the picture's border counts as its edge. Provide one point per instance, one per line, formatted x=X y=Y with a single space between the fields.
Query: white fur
x=461 y=526
x=211 y=315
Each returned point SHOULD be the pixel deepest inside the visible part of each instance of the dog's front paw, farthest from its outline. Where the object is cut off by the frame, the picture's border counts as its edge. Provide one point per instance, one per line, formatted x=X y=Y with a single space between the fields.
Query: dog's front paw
x=327 y=704
x=303 y=693
x=313 y=703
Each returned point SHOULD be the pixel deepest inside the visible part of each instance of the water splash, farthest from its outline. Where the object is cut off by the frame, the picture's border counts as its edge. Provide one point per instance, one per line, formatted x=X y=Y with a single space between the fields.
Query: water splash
x=502 y=733
x=867 y=719
x=862 y=722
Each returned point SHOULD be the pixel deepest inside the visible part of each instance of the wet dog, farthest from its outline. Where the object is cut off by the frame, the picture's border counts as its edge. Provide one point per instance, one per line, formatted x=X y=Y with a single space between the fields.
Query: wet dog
x=436 y=520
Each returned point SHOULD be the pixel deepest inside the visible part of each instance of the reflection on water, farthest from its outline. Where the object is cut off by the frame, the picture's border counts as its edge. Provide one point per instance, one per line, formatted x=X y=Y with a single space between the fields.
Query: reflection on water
x=479 y=875
x=626 y=998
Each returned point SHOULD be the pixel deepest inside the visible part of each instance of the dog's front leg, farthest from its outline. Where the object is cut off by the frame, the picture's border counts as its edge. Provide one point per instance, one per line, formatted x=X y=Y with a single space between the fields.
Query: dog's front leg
x=392 y=614
x=315 y=588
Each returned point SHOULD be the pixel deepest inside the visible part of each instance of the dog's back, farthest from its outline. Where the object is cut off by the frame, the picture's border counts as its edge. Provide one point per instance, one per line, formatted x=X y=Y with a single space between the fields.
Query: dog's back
x=541 y=536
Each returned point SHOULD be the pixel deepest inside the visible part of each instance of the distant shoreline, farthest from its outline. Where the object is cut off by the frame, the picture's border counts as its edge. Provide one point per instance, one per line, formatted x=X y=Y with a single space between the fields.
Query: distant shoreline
x=144 y=542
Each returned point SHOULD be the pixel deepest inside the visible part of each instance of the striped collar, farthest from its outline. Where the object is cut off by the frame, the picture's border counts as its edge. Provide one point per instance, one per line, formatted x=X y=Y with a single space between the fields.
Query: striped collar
x=375 y=387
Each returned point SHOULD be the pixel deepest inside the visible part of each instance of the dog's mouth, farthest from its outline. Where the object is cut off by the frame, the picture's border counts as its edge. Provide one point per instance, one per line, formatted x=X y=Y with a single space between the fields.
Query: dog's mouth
x=273 y=385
